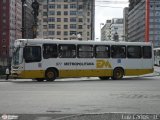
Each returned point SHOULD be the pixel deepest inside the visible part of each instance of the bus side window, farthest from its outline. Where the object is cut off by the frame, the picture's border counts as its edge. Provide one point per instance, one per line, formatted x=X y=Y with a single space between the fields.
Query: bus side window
x=134 y=52
x=32 y=54
x=85 y=51
x=147 y=52
x=67 y=51
x=118 y=51
x=102 y=51
x=50 y=51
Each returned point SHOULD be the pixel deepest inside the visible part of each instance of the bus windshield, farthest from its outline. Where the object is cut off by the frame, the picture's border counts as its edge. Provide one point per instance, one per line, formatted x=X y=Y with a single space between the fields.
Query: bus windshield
x=17 y=56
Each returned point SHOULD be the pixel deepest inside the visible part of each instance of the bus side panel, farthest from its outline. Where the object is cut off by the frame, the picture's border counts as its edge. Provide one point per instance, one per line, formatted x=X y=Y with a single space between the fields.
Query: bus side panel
x=85 y=73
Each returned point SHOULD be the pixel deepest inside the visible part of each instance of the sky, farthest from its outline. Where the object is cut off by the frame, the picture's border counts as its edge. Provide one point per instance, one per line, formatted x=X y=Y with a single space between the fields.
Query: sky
x=107 y=9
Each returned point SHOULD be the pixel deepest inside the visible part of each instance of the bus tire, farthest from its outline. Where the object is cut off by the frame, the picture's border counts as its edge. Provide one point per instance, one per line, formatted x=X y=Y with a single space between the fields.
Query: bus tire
x=118 y=74
x=104 y=78
x=50 y=74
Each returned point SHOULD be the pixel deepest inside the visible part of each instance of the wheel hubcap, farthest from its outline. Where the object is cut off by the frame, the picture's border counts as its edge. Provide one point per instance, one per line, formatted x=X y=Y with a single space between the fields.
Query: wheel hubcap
x=50 y=74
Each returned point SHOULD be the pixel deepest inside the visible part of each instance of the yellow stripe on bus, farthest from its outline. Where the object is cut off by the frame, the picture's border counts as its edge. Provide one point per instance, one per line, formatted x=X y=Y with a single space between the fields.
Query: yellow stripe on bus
x=82 y=73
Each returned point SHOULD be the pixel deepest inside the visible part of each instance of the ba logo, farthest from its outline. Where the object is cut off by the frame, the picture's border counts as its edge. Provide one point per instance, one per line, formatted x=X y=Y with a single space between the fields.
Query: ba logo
x=103 y=64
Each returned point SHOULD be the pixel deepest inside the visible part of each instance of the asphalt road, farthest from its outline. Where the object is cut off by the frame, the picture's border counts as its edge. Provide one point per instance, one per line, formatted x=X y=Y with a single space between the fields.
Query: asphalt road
x=81 y=96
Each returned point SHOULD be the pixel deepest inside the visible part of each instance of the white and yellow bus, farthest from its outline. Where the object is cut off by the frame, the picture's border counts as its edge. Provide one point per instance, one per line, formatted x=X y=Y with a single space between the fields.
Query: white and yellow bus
x=46 y=59
x=157 y=56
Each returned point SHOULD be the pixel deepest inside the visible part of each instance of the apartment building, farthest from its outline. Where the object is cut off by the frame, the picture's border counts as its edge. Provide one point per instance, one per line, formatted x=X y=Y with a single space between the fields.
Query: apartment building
x=125 y=23
x=113 y=30
x=11 y=26
x=10 y=22
x=66 y=19
x=144 y=21
x=105 y=31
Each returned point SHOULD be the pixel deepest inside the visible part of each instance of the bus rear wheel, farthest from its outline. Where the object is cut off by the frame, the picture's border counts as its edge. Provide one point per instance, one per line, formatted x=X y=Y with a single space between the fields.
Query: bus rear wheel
x=118 y=74
x=50 y=75
x=104 y=78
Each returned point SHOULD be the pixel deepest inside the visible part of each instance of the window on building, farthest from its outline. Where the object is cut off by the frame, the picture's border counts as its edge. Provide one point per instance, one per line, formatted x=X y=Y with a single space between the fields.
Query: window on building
x=51 y=32
x=51 y=19
x=58 y=19
x=65 y=33
x=87 y=33
x=73 y=32
x=65 y=19
x=88 y=26
x=73 y=12
x=80 y=27
x=51 y=12
x=51 y=6
x=65 y=6
x=72 y=6
x=58 y=32
x=58 y=6
x=51 y=26
x=73 y=26
x=58 y=26
x=65 y=12
x=44 y=13
x=73 y=19
x=80 y=13
x=65 y=26
x=88 y=13
x=80 y=7
x=80 y=20
x=58 y=12
x=88 y=20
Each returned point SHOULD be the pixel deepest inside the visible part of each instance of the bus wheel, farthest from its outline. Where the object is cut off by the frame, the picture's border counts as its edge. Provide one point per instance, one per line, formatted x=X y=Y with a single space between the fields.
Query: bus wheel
x=118 y=74
x=104 y=78
x=50 y=75
x=40 y=79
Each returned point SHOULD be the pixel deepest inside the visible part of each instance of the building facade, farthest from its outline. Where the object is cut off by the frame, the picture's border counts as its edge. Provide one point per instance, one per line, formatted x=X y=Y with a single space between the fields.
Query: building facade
x=125 y=23
x=144 y=21
x=10 y=22
x=105 y=31
x=66 y=19
x=113 y=30
x=116 y=29
x=28 y=19
x=11 y=26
